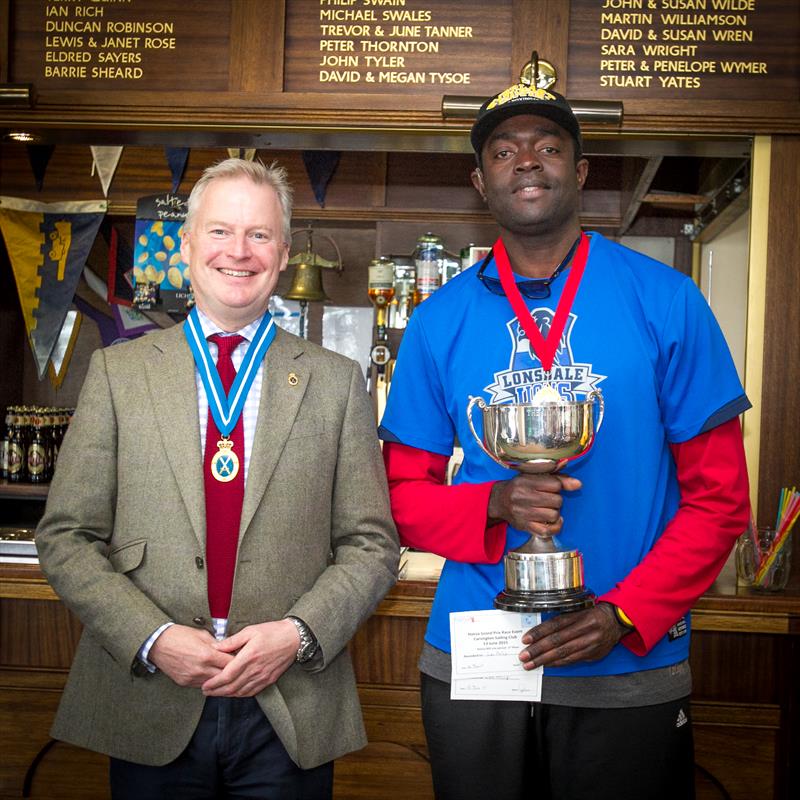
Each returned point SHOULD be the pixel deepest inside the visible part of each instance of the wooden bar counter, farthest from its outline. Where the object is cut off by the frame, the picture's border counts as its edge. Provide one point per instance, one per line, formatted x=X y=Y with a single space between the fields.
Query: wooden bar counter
x=746 y=700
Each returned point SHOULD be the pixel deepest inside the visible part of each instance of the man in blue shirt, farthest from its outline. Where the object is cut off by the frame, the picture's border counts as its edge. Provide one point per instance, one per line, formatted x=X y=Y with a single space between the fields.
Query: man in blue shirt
x=654 y=507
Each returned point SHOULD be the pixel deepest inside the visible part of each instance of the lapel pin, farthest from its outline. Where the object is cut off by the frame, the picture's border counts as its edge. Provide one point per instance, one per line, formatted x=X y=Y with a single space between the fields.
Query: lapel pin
x=293 y=379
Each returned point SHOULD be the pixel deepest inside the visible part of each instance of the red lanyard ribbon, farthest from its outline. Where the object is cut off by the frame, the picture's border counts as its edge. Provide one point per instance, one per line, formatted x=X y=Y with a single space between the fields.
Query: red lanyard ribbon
x=545 y=349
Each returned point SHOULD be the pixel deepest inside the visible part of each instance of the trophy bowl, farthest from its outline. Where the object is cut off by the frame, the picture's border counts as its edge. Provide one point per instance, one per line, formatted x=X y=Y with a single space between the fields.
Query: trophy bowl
x=518 y=435
x=539 y=575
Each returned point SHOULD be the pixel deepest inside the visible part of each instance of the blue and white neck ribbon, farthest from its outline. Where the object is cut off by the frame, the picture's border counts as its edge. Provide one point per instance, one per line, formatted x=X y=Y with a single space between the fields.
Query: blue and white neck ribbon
x=226 y=409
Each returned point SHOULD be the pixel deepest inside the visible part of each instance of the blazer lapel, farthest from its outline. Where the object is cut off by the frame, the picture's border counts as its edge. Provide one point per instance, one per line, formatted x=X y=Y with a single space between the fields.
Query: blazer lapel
x=171 y=381
x=283 y=387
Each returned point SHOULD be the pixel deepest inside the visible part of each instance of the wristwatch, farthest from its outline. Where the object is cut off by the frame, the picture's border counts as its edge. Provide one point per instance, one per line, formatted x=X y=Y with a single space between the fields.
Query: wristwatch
x=308 y=642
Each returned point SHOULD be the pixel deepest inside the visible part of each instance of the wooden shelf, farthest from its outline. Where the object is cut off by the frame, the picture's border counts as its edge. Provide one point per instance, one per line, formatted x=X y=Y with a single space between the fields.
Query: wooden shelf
x=23 y=491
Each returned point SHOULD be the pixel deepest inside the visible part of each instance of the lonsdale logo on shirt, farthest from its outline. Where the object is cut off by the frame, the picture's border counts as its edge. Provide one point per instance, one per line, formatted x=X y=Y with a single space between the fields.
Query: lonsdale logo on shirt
x=525 y=376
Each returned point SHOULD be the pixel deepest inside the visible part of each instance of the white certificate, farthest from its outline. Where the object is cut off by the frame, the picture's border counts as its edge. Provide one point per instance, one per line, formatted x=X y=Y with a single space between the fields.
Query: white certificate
x=485 y=656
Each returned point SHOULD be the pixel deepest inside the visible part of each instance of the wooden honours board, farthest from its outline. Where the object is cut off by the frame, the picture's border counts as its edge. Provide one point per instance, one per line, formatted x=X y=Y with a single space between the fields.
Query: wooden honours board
x=731 y=65
x=685 y=49
x=152 y=46
x=397 y=46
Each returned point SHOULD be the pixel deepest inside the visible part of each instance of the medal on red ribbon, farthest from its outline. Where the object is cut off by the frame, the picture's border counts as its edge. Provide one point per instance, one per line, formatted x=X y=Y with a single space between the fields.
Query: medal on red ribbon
x=544 y=347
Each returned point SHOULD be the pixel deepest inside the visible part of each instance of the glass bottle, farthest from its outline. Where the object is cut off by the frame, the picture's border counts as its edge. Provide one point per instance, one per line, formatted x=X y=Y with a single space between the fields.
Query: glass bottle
x=37 y=449
x=4 y=445
x=428 y=257
x=380 y=288
x=17 y=456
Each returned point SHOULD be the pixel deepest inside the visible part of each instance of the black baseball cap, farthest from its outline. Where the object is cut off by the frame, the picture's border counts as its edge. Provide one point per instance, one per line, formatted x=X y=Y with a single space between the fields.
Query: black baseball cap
x=524 y=99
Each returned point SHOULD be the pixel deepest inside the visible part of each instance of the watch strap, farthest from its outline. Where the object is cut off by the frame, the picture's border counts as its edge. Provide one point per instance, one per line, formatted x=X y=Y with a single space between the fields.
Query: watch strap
x=308 y=642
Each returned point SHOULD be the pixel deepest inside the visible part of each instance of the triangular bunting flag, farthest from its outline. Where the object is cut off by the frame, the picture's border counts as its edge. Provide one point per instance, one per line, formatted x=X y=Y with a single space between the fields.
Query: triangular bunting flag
x=62 y=352
x=177 y=158
x=247 y=153
x=320 y=166
x=39 y=158
x=47 y=244
x=105 y=160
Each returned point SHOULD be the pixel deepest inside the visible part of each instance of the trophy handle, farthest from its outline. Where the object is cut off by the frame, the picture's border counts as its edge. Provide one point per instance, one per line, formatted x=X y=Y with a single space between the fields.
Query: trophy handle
x=596 y=394
x=481 y=403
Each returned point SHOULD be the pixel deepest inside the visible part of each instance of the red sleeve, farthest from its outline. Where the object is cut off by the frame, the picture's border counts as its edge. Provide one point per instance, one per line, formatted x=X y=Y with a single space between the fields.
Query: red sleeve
x=714 y=510
x=447 y=520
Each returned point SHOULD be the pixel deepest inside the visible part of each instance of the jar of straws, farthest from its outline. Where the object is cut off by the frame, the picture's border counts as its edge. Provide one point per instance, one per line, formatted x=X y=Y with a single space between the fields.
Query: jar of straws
x=764 y=555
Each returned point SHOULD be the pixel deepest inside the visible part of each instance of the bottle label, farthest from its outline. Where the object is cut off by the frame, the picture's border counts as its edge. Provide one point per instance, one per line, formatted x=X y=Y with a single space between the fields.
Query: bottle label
x=428 y=277
x=15 y=456
x=381 y=276
x=36 y=459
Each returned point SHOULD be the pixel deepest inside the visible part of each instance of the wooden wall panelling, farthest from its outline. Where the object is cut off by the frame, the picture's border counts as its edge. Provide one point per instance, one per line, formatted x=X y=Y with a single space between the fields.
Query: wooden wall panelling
x=789 y=755
x=735 y=747
x=28 y=702
x=744 y=700
x=68 y=772
x=542 y=26
x=33 y=633
x=37 y=644
x=779 y=462
x=12 y=336
x=385 y=651
x=256 y=58
x=394 y=765
x=5 y=38
x=730 y=667
x=382 y=771
x=433 y=183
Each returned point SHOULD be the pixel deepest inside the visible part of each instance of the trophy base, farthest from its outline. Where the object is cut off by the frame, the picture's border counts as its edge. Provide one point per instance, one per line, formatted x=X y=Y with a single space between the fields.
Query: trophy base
x=529 y=602
x=551 y=581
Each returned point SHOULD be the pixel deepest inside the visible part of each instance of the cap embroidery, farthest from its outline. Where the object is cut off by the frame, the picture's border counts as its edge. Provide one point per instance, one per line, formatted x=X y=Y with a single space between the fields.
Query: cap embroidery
x=517 y=91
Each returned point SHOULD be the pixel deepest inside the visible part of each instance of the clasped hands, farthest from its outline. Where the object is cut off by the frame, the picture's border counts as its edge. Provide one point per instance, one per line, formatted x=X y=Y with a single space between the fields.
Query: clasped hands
x=238 y=666
x=532 y=502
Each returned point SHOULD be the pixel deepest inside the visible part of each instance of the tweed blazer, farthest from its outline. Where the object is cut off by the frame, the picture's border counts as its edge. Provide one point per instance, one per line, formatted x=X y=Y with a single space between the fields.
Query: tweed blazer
x=122 y=542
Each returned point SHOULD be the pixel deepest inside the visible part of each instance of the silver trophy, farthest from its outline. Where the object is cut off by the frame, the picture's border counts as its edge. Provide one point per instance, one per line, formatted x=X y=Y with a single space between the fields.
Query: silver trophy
x=539 y=575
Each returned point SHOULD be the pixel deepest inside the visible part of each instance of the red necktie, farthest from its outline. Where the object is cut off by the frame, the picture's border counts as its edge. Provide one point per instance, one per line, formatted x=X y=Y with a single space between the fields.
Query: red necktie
x=223 y=500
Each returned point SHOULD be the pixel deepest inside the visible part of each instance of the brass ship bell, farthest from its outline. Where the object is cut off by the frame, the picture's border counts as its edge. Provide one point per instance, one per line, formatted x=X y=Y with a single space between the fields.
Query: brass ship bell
x=307 y=282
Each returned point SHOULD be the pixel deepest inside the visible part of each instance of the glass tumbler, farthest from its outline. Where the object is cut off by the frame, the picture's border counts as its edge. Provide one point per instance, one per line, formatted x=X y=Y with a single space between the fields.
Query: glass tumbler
x=751 y=560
